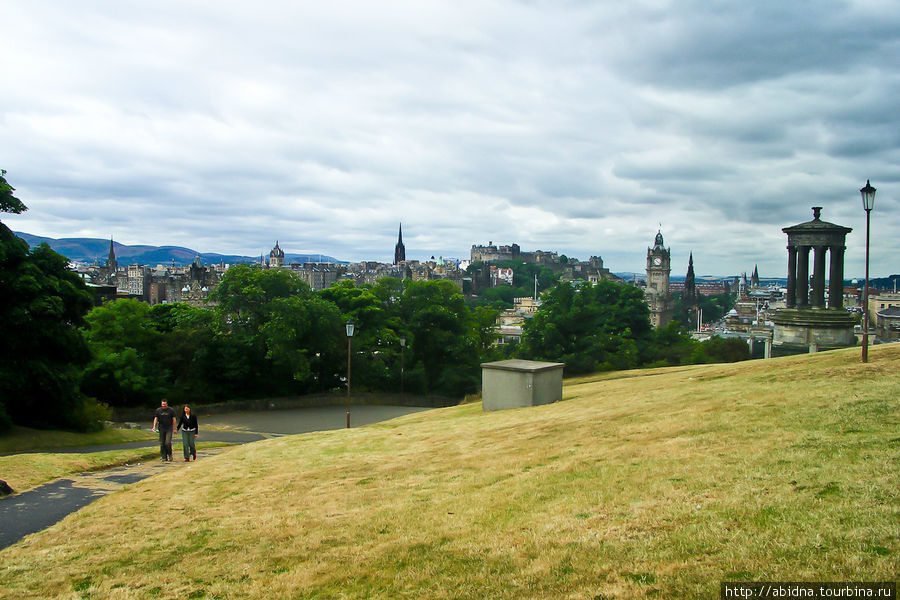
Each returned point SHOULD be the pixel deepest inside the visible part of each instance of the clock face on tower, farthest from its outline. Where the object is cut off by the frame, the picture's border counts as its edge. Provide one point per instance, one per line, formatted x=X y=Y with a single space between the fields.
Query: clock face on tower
x=657 y=261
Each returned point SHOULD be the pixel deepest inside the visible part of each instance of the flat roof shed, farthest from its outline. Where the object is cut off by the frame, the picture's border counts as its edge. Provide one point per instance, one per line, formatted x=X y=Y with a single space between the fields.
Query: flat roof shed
x=520 y=383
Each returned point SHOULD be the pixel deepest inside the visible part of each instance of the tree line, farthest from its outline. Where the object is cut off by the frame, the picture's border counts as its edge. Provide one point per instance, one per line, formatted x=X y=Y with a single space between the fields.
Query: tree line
x=63 y=363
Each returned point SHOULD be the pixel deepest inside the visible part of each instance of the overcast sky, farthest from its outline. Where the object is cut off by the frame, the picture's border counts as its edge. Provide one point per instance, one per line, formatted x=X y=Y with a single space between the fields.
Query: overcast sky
x=579 y=127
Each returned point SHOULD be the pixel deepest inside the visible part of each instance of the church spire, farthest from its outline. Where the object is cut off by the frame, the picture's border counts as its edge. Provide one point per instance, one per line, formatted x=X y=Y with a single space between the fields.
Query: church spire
x=111 y=259
x=400 y=249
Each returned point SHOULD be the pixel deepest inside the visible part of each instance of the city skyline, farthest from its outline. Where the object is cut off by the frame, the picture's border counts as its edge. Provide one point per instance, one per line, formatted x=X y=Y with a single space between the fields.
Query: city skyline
x=574 y=128
x=210 y=258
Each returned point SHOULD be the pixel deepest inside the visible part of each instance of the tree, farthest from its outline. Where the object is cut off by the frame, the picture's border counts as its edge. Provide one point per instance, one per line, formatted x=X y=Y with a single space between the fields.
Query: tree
x=124 y=343
x=484 y=320
x=376 y=342
x=245 y=291
x=8 y=202
x=604 y=325
x=185 y=335
x=238 y=359
x=670 y=346
x=442 y=347
x=42 y=304
x=305 y=341
x=718 y=349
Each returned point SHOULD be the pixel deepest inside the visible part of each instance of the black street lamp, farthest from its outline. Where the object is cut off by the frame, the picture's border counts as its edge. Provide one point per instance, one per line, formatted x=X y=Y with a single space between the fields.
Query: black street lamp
x=350 y=327
x=402 y=347
x=868 y=200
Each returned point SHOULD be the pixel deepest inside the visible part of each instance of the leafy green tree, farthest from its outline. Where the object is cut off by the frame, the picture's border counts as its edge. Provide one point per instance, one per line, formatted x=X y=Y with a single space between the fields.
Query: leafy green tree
x=389 y=290
x=484 y=320
x=238 y=359
x=185 y=334
x=498 y=297
x=42 y=304
x=8 y=202
x=670 y=346
x=305 y=342
x=441 y=346
x=718 y=350
x=124 y=342
x=245 y=291
x=589 y=326
x=376 y=341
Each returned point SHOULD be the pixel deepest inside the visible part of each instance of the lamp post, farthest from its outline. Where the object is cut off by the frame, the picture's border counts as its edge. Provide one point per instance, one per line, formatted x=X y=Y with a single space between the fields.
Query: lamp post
x=350 y=327
x=868 y=200
x=402 y=347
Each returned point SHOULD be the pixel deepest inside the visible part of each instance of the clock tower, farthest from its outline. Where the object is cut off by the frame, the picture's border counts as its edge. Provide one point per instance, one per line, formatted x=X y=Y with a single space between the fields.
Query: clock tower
x=659 y=298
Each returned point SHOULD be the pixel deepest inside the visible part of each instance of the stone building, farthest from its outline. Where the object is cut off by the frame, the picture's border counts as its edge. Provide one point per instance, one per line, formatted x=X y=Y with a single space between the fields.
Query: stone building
x=887 y=324
x=879 y=301
x=136 y=282
x=276 y=256
x=491 y=252
x=319 y=276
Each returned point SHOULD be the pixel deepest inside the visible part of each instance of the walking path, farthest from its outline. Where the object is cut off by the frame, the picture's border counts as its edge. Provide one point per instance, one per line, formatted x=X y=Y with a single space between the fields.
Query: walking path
x=39 y=508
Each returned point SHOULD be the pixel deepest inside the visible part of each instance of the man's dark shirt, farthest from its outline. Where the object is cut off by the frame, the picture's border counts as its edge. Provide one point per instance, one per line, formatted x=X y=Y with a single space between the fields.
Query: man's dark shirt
x=164 y=418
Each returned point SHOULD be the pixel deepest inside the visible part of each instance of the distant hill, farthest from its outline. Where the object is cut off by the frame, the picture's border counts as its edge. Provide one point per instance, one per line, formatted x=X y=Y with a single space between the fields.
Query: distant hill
x=89 y=250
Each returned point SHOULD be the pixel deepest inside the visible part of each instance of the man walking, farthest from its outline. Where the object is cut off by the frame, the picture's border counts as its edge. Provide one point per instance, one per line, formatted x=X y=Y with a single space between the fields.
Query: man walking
x=164 y=422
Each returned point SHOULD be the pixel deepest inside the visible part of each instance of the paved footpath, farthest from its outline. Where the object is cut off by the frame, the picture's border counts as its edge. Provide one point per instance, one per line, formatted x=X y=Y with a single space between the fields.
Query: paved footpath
x=39 y=508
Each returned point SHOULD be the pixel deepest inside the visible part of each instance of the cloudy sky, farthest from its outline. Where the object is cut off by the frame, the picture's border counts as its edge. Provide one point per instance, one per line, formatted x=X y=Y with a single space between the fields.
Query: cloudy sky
x=579 y=127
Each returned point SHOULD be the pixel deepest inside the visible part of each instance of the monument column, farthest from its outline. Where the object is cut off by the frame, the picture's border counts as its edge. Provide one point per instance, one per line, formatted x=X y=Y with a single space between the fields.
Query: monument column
x=791 y=301
x=803 y=277
x=836 y=278
x=818 y=294
x=799 y=324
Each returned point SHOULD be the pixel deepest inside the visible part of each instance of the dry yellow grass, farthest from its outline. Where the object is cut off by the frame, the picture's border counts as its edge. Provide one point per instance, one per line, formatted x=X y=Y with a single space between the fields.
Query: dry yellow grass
x=642 y=484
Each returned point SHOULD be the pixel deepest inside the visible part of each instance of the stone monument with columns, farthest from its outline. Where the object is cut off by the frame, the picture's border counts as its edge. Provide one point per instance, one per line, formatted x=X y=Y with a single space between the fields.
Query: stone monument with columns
x=806 y=320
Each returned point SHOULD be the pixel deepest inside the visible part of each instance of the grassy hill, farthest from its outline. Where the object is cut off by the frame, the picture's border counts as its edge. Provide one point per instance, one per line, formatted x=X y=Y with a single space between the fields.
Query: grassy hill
x=656 y=483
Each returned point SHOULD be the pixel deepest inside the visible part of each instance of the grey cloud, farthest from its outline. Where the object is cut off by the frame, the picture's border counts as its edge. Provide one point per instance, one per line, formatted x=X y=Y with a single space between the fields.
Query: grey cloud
x=715 y=46
x=574 y=127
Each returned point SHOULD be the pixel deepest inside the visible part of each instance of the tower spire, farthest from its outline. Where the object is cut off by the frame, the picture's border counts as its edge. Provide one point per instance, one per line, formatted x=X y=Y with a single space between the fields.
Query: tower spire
x=400 y=249
x=111 y=259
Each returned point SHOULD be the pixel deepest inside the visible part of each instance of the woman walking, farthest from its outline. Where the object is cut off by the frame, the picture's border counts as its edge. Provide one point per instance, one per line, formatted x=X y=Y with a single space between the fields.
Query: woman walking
x=189 y=431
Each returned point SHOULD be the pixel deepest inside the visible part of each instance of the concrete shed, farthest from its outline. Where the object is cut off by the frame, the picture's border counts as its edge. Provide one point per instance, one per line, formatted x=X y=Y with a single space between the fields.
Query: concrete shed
x=520 y=383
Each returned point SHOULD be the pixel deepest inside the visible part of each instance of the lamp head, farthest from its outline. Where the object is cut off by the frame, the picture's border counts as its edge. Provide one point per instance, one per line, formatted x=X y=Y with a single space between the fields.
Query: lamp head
x=868 y=196
x=403 y=342
x=350 y=328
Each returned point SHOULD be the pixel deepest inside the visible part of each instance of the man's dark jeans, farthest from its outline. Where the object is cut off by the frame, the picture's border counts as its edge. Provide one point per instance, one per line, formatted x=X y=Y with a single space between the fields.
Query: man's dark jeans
x=165 y=443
